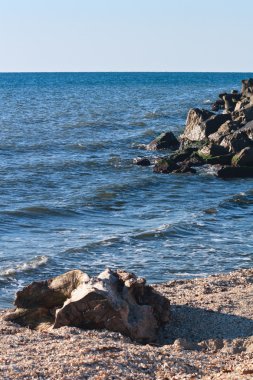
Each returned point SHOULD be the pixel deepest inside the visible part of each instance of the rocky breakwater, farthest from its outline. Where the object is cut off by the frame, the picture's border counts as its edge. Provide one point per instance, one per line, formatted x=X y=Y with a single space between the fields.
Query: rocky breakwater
x=115 y=300
x=221 y=137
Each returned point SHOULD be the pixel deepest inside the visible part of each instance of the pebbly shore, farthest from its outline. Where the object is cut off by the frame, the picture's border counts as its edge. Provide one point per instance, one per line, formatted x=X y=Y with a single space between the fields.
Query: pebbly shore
x=210 y=336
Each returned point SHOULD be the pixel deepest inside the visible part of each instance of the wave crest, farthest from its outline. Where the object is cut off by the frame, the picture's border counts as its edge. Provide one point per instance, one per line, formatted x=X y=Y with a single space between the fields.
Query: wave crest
x=33 y=264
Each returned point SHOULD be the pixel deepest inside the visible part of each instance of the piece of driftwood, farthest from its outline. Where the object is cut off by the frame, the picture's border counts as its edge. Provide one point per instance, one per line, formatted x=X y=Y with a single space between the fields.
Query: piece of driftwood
x=115 y=300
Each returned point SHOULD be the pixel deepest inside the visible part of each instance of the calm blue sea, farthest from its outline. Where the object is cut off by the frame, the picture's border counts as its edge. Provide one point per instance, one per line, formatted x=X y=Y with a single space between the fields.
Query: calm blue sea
x=71 y=197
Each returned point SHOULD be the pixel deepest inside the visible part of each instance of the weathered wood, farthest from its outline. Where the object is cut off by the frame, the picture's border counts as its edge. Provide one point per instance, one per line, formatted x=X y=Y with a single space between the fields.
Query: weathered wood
x=115 y=300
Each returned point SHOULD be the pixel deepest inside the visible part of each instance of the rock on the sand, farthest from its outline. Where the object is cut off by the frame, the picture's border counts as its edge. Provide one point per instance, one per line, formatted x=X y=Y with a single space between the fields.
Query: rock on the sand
x=115 y=300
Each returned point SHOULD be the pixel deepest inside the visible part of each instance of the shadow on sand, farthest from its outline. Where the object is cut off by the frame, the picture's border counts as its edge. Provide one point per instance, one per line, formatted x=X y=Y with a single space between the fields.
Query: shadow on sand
x=196 y=325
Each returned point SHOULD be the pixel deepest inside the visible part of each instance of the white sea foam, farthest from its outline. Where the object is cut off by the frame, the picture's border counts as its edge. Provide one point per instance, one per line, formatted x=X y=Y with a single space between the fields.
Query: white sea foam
x=24 y=267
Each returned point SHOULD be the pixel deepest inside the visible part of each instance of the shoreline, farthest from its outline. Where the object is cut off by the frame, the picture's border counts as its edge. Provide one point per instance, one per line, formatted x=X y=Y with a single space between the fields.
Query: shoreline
x=210 y=336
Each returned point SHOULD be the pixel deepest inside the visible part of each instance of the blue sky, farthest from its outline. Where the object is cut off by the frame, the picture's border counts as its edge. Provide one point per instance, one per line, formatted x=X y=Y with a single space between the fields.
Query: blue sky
x=126 y=35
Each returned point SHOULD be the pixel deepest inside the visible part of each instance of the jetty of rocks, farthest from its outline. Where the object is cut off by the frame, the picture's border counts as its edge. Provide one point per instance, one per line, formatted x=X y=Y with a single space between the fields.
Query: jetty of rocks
x=221 y=137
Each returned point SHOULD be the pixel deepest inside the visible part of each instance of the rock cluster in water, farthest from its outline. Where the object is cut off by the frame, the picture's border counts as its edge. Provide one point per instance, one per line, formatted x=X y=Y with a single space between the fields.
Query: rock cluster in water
x=222 y=138
x=115 y=300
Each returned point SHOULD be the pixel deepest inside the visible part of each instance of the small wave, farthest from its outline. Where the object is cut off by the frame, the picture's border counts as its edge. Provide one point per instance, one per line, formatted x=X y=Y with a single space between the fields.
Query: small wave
x=87 y=124
x=25 y=267
x=239 y=200
x=191 y=275
x=139 y=146
x=39 y=211
x=78 y=146
x=211 y=211
x=138 y=124
x=150 y=132
x=149 y=234
x=209 y=170
x=96 y=244
x=155 y=115
x=207 y=101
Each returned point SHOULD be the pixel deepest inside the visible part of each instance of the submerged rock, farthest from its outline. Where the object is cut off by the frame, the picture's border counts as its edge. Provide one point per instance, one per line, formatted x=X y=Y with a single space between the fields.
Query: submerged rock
x=115 y=300
x=141 y=161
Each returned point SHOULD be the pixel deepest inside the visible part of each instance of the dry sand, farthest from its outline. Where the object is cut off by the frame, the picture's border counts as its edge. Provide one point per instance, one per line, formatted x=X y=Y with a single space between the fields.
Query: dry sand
x=210 y=336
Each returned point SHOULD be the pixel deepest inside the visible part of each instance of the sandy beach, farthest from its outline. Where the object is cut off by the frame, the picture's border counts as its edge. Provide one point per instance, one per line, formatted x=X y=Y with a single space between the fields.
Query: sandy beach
x=210 y=336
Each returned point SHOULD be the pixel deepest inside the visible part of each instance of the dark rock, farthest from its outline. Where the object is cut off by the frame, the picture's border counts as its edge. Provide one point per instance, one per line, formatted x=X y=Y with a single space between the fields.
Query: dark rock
x=235 y=172
x=247 y=87
x=182 y=155
x=228 y=127
x=225 y=129
x=194 y=160
x=221 y=160
x=218 y=105
x=222 y=95
x=244 y=157
x=142 y=161
x=185 y=168
x=229 y=102
x=115 y=300
x=214 y=123
x=244 y=115
x=248 y=129
x=241 y=104
x=165 y=166
x=166 y=140
x=237 y=141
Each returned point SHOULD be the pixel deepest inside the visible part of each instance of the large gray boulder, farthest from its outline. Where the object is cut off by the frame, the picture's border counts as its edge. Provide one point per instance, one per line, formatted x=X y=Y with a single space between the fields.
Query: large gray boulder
x=115 y=300
x=194 y=130
x=201 y=123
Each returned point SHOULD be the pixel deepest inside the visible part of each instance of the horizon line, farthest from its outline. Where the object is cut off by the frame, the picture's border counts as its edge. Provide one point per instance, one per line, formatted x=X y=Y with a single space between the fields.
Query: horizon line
x=126 y=72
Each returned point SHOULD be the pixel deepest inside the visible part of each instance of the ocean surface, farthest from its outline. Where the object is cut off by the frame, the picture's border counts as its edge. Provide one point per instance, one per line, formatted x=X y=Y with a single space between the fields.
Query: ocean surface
x=71 y=197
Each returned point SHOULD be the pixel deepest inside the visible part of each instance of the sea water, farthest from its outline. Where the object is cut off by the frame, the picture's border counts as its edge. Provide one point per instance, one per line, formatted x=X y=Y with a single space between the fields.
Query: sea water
x=71 y=196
